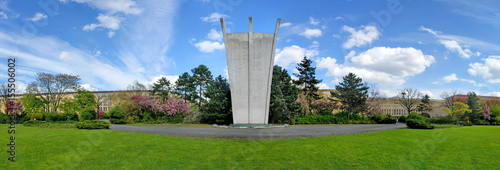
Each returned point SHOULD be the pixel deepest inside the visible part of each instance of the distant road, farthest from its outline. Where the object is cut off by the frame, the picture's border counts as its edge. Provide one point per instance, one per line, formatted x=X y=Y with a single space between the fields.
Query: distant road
x=294 y=131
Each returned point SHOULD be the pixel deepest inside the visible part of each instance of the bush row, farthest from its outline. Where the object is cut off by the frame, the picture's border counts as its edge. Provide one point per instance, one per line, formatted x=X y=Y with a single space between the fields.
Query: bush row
x=92 y=124
x=341 y=118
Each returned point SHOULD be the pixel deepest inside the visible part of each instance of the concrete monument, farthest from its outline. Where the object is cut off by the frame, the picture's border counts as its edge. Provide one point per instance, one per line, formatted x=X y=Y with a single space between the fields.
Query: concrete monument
x=250 y=60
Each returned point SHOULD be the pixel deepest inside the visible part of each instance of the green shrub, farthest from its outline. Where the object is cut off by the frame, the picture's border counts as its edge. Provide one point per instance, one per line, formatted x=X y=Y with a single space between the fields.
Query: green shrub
x=92 y=124
x=87 y=114
x=105 y=115
x=117 y=121
x=415 y=115
x=4 y=118
x=315 y=119
x=49 y=117
x=32 y=123
x=132 y=119
x=481 y=122
x=402 y=119
x=418 y=124
x=386 y=119
x=116 y=113
x=146 y=117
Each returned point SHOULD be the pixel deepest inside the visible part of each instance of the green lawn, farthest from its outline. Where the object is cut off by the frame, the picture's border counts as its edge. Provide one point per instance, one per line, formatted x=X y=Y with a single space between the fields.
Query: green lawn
x=476 y=147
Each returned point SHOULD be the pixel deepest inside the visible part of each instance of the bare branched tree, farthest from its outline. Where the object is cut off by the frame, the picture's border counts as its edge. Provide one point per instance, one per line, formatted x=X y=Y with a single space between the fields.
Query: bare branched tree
x=51 y=88
x=4 y=92
x=409 y=99
x=447 y=96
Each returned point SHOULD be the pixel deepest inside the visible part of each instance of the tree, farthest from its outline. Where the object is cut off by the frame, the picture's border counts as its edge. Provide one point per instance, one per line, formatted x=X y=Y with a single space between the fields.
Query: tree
x=4 y=92
x=373 y=101
x=218 y=109
x=458 y=109
x=185 y=87
x=85 y=99
x=201 y=76
x=473 y=102
x=352 y=93
x=51 y=88
x=486 y=112
x=306 y=80
x=162 y=88
x=425 y=106
x=282 y=105
x=408 y=99
x=447 y=96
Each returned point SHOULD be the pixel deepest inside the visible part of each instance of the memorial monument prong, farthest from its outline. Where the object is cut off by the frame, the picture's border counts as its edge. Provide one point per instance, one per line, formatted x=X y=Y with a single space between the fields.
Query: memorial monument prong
x=250 y=61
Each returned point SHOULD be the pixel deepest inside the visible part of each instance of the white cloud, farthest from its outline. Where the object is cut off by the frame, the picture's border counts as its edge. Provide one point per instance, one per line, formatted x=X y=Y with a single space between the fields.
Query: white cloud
x=291 y=55
x=88 y=87
x=214 y=35
x=453 y=46
x=111 y=34
x=105 y=21
x=51 y=55
x=422 y=28
x=323 y=86
x=286 y=24
x=110 y=20
x=209 y=46
x=452 y=43
x=310 y=33
x=3 y=15
x=313 y=21
x=171 y=79
x=214 y=17
x=424 y=92
x=339 y=18
x=37 y=17
x=489 y=70
x=453 y=77
x=114 y=6
x=64 y=56
x=384 y=65
x=365 y=35
x=450 y=78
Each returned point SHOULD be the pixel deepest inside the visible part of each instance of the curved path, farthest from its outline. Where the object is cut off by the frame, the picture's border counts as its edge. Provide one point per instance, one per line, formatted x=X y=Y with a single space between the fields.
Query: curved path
x=297 y=131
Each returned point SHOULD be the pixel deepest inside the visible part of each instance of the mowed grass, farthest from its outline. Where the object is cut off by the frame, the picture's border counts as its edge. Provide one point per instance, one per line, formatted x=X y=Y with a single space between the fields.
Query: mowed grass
x=476 y=147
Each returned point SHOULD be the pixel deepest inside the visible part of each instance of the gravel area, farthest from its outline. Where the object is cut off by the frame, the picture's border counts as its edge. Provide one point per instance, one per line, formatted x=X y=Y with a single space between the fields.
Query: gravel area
x=297 y=131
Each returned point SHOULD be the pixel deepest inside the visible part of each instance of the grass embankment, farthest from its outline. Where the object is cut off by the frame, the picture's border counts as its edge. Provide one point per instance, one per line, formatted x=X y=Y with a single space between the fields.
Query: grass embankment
x=454 y=148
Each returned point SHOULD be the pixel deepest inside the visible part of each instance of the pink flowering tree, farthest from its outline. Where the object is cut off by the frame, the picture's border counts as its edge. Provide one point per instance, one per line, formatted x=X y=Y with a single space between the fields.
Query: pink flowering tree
x=302 y=100
x=486 y=112
x=171 y=106
x=374 y=107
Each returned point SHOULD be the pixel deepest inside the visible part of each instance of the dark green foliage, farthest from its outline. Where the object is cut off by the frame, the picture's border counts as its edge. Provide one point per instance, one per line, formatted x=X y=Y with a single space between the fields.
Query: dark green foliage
x=352 y=93
x=162 y=88
x=218 y=108
x=117 y=121
x=4 y=118
x=415 y=115
x=425 y=106
x=32 y=123
x=316 y=119
x=185 y=87
x=201 y=78
x=116 y=113
x=442 y=120
x=386 y=119
x=481 y=122
x=87 y=114
x=282 y=105
x=418 y=124
x=402 y=119
x=85 y=99
x=92 y=124
x=306 y=79
x=473 y=103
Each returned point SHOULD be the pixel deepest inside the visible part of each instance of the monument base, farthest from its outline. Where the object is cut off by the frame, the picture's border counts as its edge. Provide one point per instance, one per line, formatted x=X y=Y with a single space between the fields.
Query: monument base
x=250 y=125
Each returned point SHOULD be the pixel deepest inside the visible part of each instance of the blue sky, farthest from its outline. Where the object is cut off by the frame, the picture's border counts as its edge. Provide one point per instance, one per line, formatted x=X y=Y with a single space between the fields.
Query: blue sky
x=433 y=46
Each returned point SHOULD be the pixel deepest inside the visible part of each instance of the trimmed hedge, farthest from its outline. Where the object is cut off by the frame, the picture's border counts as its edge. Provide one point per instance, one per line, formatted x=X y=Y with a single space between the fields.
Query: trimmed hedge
x=92 y=124
x=32 y=123
x=117 y=121
x=418 y=124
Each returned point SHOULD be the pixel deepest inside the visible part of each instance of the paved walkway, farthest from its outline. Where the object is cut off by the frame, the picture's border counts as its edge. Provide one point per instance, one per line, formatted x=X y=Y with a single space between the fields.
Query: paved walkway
x=298 y=131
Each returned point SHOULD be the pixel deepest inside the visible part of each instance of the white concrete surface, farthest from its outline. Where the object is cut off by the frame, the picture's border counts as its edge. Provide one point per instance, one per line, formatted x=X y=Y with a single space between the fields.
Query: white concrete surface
x=250 y=59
